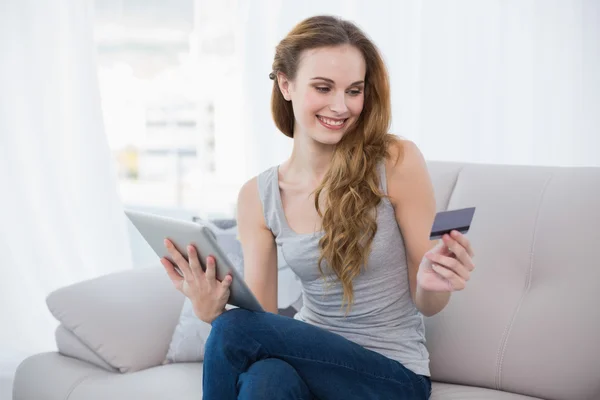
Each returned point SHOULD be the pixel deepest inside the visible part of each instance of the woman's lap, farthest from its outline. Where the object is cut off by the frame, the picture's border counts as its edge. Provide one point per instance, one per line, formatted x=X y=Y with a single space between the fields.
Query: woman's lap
x=330 y=365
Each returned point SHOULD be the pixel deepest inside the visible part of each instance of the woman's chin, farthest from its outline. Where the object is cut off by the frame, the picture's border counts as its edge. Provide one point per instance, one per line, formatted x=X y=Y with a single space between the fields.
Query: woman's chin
x=328 y=139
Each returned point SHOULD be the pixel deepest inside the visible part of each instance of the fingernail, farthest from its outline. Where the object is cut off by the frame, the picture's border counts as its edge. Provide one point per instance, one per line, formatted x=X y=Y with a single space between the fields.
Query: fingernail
x=190 y=248
x=166 y=242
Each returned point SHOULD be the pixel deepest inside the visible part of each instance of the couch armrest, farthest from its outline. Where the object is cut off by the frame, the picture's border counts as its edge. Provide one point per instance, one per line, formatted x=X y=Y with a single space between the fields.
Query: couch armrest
x=51 y=376
x=126 y=318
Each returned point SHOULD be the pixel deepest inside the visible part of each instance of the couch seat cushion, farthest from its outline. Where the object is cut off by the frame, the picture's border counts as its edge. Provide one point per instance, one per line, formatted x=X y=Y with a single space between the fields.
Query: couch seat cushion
x=446 y=391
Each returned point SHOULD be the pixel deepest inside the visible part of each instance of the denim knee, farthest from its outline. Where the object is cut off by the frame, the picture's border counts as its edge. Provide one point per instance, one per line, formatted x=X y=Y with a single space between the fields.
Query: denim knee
x=228 y=343
x=236 y=316
x=273 y=379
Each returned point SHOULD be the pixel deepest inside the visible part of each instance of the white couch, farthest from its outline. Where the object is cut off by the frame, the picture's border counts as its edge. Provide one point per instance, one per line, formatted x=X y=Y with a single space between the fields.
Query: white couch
x=527 y=326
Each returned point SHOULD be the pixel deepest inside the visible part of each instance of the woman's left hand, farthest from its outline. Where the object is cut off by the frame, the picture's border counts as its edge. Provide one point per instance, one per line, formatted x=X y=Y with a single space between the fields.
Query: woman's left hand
x=448 y=266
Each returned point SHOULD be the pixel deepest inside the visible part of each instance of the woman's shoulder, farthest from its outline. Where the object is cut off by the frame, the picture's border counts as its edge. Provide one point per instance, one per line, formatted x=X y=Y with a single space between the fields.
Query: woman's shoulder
x=403 y=156
x=257 y=187
x=250 y=205
x=259 y=181
x=406 y=171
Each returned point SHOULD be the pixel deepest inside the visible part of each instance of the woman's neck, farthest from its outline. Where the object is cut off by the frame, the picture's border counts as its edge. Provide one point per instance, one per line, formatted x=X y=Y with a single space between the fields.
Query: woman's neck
x=309 y=160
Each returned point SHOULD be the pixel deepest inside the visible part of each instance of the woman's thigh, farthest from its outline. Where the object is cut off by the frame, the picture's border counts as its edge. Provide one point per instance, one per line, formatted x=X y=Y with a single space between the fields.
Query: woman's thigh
x=331 y=366
x=272 y=379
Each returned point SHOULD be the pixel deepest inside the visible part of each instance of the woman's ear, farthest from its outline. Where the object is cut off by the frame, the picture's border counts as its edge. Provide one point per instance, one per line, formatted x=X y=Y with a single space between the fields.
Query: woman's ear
x=284 y=85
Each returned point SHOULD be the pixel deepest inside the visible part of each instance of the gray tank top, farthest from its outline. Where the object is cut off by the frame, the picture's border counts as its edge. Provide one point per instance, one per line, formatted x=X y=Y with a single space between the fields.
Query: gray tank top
x=383 y=317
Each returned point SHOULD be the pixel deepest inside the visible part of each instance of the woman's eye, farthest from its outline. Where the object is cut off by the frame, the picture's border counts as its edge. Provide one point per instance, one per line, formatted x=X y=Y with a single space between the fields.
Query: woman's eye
x=351 y=92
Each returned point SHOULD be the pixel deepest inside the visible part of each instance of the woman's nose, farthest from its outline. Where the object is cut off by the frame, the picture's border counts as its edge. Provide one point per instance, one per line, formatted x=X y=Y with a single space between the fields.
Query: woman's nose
x=338 y=103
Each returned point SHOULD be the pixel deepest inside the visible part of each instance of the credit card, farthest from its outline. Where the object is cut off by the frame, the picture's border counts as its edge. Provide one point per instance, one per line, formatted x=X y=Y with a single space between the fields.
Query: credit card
x=452 y=220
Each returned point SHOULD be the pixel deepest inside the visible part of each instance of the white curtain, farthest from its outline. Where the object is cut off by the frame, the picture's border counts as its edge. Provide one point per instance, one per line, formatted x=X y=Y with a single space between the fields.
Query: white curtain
x=61 y=218
x=490 y=81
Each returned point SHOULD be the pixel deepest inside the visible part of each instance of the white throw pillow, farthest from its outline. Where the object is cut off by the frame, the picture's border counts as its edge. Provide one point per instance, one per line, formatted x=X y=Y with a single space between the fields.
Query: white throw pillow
x=190 y=335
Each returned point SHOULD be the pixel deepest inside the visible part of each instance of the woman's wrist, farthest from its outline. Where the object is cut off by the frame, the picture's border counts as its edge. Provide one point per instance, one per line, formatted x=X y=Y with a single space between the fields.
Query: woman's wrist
x=217 y=315
x=430 y=303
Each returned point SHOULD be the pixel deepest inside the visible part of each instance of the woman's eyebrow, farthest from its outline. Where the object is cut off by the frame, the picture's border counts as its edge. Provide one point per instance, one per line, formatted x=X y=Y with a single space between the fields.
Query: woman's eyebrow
x=332 y=82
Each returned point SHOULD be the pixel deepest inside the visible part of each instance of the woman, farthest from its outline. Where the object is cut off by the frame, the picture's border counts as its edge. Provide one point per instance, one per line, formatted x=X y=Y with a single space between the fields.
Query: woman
x=351 y=210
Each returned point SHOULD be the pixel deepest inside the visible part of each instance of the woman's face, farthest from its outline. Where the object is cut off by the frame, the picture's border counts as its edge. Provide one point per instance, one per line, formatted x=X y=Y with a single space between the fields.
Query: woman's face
x=327 y=94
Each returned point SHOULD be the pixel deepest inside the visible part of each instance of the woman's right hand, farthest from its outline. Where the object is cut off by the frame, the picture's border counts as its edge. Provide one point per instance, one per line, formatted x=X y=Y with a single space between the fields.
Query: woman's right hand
x=208 y=295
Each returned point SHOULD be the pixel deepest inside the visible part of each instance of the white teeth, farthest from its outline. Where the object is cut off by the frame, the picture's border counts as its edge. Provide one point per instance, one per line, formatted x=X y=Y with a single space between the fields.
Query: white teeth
x=331 y=121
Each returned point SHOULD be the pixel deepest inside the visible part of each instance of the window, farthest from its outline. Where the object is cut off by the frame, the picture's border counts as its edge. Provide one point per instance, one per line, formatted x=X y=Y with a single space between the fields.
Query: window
x=154 y=58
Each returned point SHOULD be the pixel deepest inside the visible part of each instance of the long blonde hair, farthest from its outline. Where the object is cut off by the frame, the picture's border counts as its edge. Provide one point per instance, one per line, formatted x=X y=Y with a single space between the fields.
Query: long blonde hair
x=351 y=184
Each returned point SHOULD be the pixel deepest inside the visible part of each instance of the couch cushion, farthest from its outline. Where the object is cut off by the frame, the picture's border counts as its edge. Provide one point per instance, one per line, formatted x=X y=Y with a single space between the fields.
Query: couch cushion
x=446 y=391
x=126 y=318
x=69 y=345
x=528 y=321
x=182 y=381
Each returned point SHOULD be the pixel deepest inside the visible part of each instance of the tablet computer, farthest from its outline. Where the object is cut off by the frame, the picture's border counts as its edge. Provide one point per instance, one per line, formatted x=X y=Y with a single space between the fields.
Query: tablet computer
x=155 y=229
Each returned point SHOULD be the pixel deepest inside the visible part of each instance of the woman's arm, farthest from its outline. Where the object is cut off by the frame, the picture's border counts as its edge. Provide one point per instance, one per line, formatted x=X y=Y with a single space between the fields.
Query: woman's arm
x=412 y=195
x=258 y=246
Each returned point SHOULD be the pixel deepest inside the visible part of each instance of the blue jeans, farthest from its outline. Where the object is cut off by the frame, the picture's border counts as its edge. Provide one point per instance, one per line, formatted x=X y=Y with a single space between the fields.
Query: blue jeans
x=261 y=355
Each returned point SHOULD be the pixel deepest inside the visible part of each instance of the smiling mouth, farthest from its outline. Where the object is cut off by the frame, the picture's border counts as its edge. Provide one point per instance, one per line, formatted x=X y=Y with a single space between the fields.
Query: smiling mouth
x=332 y=123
